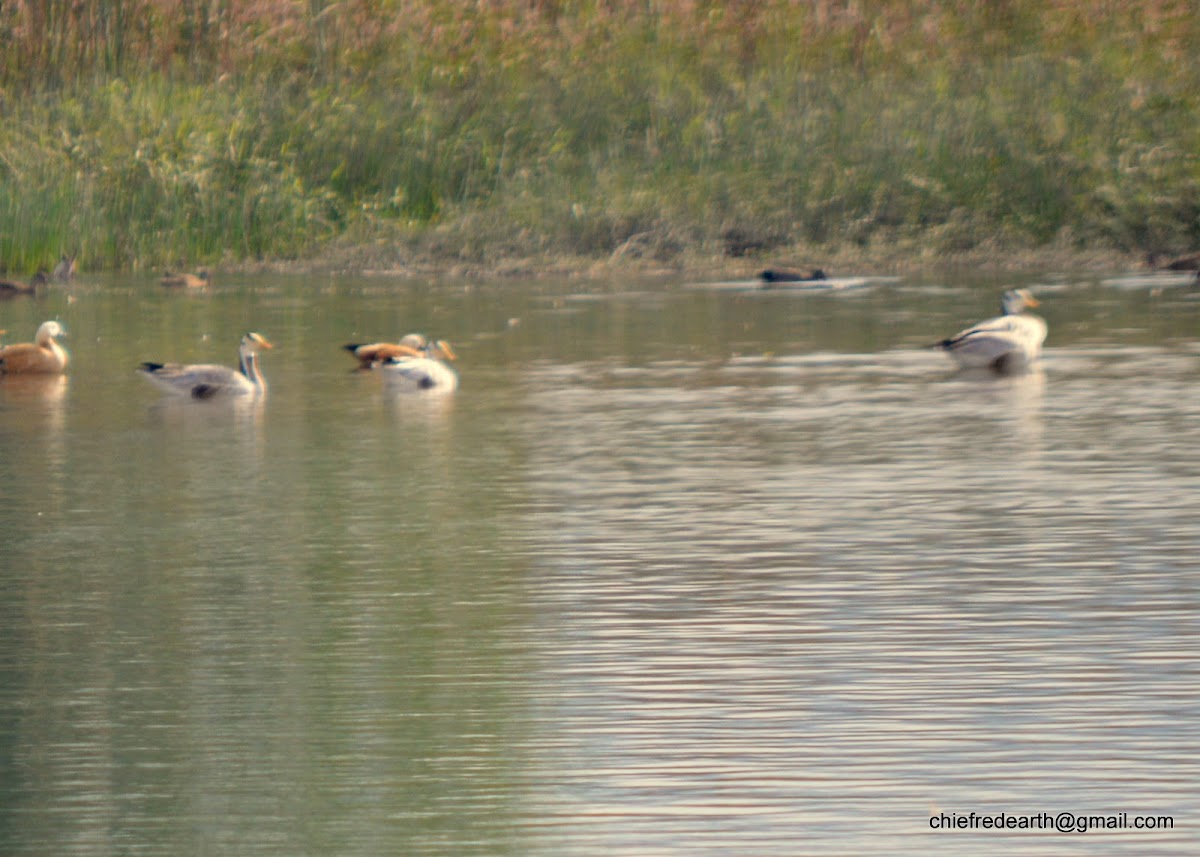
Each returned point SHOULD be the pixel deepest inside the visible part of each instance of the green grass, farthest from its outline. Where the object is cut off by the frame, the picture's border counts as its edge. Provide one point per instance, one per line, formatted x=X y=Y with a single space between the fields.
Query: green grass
x=156 y=134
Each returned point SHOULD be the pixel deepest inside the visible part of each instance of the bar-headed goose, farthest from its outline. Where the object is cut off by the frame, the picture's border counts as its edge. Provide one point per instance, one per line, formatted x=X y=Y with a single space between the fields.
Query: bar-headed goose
x=425 y=373
x=209 y=380
x=1008 y=343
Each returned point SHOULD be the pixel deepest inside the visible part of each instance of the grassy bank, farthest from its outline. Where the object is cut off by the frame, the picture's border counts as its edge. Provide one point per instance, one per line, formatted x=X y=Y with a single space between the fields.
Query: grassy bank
x=153 y=133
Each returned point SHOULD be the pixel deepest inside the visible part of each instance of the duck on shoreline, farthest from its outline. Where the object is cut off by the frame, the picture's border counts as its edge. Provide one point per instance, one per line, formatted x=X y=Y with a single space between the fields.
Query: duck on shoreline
x=782 y=275
x=184 y=281
x=1188 y=262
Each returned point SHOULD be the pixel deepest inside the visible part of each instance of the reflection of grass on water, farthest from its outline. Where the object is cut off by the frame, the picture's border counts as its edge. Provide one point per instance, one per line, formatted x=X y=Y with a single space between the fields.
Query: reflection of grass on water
x=145 y=132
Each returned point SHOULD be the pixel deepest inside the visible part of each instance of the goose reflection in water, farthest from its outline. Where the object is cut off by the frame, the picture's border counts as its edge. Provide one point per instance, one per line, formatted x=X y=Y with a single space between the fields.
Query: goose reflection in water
x=1013 y=400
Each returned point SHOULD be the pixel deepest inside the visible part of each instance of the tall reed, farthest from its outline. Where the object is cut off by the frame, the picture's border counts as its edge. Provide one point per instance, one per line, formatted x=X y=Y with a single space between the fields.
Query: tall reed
x=150 y=132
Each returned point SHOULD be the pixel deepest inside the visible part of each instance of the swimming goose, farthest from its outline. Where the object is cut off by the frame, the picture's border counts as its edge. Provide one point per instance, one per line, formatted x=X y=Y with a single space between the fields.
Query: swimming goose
x=206 y=380
x=426 y=372
x=1005 y=344
x=43 y=356
x=371 y=355
x=11 y=289
x=184 y=281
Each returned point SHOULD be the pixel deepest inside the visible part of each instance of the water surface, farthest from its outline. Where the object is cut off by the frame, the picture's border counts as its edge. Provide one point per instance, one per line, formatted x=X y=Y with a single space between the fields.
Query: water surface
x=680 y=569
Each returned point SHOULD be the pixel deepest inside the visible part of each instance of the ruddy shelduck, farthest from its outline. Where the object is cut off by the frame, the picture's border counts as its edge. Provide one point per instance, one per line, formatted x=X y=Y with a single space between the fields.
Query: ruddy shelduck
x=43 y=356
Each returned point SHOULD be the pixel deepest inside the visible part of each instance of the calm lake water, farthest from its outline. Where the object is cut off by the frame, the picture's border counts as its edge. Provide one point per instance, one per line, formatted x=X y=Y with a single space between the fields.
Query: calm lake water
x=681 y=569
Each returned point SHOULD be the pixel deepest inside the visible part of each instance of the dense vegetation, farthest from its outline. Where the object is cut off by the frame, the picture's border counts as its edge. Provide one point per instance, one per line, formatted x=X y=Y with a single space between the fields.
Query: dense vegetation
x=167 y=132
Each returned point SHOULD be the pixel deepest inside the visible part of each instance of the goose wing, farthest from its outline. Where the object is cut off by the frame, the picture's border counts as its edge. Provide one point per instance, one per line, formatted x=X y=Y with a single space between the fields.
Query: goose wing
x=198 y=380
x=422 y=373
x=998 y=341
x=993 y=337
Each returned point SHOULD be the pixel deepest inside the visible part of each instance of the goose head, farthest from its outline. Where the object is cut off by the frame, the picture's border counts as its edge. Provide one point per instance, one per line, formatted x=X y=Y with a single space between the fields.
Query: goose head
x=1014 y=301
x=252 y=343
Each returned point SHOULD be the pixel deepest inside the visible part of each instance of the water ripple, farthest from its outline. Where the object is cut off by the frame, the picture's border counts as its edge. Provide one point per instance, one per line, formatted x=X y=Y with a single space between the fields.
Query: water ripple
x=848 y=590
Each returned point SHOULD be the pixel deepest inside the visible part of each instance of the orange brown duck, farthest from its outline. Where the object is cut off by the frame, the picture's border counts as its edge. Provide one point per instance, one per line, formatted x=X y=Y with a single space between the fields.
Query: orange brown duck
x=43 y=356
